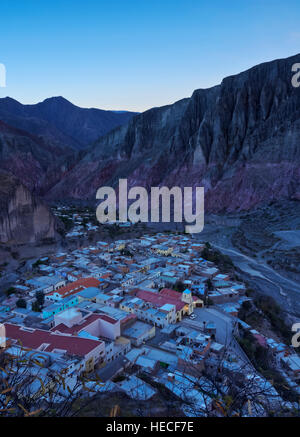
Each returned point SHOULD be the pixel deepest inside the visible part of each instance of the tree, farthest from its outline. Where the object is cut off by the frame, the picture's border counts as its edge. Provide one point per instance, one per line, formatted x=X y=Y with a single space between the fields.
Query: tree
x=37 y=264
x=21 y=303
x=209 y=283
x=36 y=307
x=27 y=390
x=10 y=291
x=179 y=286
x=40 y=297
x=227 y=393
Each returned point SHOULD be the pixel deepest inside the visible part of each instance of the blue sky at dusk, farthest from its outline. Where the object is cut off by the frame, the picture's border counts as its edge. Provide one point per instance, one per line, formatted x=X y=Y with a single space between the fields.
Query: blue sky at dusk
x=136 y=54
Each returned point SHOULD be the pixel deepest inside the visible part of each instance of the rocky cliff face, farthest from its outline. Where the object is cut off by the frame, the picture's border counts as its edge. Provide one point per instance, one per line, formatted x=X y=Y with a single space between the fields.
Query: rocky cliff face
x=23 y=218
x=240 y=140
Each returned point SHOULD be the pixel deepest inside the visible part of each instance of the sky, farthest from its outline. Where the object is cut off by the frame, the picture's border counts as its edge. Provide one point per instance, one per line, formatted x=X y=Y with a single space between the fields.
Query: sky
x=137 y=54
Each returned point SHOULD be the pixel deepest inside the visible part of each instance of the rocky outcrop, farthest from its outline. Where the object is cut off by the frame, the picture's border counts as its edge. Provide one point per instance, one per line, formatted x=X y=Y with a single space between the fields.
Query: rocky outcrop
x=240 y=140
x=23 y=218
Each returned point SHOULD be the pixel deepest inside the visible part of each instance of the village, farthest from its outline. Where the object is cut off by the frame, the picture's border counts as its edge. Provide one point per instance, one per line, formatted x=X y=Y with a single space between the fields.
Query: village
x=137 y=314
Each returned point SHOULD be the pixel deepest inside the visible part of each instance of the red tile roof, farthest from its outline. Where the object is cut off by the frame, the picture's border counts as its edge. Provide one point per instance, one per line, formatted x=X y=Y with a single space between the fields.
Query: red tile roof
x=74 y=330
x=158 y=300
x=128 y=318
x=175 y=294
x=76 y=287
x=171 y=293
x=108 y=319
x=261 y=340
x=106 y=275
x=35 y=338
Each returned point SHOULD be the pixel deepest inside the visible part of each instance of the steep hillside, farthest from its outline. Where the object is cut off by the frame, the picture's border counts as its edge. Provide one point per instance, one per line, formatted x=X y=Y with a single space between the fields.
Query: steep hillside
x=37 y=163
x=240 y=140
x=58 y=121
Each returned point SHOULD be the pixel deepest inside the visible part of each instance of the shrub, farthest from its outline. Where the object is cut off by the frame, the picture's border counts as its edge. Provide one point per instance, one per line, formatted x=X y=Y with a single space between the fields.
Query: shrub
x=21 y=303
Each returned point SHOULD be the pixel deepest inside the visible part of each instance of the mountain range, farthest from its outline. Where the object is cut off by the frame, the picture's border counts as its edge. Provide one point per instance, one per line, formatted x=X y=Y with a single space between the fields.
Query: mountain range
x=58 y=121
x=240 y=140
x=39 y=143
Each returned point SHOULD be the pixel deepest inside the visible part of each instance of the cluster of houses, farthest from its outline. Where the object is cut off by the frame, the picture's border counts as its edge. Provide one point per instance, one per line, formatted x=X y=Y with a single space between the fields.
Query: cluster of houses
x=132 y=304
x=83 y=224
x=287 y=361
